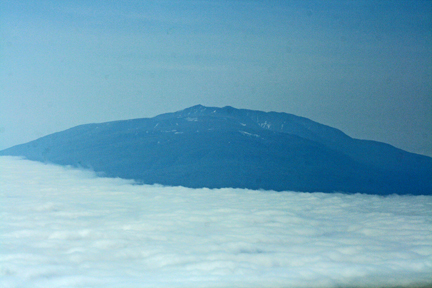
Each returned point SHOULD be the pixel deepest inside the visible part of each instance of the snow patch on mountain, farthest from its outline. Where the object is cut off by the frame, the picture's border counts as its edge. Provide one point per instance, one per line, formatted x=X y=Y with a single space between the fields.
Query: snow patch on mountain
x=265 y=125
x=249 y=134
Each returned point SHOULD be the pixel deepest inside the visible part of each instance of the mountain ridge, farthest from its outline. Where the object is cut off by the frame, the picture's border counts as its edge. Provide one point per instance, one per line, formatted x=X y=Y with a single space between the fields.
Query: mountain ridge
x=228 y=147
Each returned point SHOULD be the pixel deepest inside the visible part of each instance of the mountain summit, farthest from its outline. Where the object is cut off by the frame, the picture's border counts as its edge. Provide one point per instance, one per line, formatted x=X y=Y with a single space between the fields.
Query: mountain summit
x=227 y=147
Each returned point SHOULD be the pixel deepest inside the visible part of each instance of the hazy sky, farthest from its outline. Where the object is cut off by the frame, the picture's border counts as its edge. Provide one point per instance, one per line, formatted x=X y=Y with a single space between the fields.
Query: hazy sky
x=364 y=67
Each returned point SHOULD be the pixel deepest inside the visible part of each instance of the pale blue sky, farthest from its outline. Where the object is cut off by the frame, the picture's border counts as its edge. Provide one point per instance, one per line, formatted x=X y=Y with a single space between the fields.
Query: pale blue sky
x=364 y=67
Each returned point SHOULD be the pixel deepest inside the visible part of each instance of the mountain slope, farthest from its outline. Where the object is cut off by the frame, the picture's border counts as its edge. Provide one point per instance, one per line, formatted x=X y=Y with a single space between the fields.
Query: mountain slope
x=227 y=147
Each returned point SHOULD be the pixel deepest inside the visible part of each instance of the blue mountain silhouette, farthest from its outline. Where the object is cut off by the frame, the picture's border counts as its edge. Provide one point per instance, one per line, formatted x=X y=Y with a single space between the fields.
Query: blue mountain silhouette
x=227 y=147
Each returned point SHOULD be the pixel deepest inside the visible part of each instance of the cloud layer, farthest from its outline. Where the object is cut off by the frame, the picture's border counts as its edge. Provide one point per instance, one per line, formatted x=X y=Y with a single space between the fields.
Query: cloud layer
x=62 y=227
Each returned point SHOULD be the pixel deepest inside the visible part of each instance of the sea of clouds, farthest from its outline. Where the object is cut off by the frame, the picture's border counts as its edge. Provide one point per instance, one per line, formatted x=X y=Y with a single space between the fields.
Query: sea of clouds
x=62 y=227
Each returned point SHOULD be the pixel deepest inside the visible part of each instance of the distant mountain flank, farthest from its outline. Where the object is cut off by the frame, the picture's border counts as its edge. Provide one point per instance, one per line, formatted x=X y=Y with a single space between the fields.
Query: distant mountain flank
x=227 y=147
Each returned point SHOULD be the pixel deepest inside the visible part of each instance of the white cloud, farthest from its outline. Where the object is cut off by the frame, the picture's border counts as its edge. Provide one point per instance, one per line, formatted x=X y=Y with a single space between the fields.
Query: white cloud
x=62 y=227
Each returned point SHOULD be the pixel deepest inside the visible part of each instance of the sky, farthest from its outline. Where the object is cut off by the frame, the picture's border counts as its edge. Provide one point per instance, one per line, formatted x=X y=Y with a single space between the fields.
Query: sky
x=63 y=227
x=364 y=67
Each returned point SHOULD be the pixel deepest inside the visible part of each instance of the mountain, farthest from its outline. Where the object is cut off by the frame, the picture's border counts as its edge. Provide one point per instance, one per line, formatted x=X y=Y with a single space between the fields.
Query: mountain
x=227 y=147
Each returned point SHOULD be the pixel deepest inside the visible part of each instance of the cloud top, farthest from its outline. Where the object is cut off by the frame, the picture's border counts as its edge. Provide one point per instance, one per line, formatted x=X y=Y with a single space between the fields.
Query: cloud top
x=65 y=227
